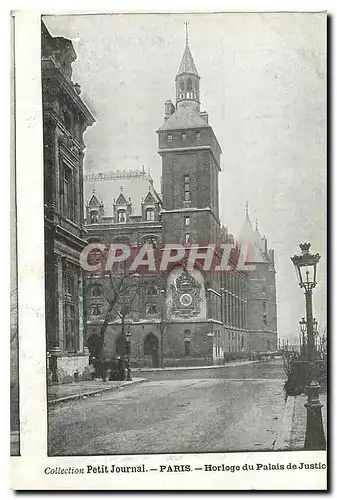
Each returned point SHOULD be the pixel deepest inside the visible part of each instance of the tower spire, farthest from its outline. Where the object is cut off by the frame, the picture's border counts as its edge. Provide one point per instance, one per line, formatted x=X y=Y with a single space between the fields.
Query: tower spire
x=186 y=31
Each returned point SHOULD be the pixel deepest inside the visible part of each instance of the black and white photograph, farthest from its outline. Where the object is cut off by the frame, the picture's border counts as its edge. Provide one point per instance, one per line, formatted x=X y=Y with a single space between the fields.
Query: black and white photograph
x=185 y=247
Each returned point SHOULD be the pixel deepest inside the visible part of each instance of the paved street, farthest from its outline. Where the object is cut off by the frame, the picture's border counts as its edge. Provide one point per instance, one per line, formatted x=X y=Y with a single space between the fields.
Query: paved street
x=225 y=409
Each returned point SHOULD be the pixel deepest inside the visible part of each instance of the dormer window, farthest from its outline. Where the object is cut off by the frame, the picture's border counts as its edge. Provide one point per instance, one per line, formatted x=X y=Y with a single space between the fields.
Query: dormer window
x=121 y=215
x=169 y=137
x=149 y=214
x=94 y=217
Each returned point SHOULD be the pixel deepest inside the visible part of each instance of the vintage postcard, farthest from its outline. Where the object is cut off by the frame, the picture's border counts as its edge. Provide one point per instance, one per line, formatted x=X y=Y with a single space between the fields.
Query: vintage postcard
x=169 y=327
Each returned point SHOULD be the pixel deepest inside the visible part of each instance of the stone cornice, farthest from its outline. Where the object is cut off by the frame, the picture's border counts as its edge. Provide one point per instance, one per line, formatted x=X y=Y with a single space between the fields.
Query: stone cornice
x=49 y=70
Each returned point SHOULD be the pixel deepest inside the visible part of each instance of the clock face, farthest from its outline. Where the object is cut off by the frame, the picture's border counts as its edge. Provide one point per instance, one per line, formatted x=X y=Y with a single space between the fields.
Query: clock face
x=186 y=299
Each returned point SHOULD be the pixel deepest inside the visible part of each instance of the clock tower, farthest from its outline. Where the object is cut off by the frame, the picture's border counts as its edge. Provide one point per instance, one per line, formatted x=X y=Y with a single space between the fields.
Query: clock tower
x=190 y=156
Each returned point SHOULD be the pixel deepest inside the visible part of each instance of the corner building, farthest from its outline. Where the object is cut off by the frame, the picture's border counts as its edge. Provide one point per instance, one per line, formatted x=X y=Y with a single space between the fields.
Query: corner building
x=65 y=119
x=192 y=317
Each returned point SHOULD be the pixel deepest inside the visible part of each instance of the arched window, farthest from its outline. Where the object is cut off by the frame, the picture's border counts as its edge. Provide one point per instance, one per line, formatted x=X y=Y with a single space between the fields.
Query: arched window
x=189 y=84
x=149 y=214
x=182 y=85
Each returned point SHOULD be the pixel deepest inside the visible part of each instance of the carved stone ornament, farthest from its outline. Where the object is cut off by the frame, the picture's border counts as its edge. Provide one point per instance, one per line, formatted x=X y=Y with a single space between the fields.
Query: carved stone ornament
x=186 y=295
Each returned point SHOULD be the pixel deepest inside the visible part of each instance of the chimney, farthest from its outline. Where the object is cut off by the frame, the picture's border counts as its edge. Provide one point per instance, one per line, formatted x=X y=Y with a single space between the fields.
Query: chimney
x=169 y=109
x=264 y=239
x=204 y=116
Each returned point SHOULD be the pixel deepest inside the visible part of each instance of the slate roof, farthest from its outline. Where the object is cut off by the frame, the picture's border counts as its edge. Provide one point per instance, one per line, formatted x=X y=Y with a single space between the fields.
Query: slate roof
x=184 y=117
x=187 y=63
x=252 y=237
x=107 y=187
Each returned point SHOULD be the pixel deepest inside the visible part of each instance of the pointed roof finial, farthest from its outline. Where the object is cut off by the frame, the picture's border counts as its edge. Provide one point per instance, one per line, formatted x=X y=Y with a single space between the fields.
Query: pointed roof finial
x=121 y=189
x=186 y=30
x=247 y=208
x=94 y=191
x=256 y=225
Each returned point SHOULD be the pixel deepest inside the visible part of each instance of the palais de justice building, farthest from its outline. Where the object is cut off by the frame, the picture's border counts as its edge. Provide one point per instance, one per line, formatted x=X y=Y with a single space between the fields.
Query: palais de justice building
x=65 y=119
x=179 y=317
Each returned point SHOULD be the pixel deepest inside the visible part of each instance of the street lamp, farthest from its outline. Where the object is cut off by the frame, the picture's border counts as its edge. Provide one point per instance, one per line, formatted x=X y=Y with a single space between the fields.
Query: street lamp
x=306 y=268
x=315 y=332
x=124 y=311
x=128 y=345
x=162 y=326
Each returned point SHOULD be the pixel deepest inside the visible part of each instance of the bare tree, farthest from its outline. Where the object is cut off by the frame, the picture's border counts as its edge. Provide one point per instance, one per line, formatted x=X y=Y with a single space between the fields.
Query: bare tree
x=120 y=291
x=164 y=322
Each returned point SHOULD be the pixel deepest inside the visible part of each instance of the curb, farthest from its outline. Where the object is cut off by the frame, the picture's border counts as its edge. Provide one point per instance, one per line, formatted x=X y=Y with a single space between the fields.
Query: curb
x=72 y=397
x=181 y=368
x=282 y=442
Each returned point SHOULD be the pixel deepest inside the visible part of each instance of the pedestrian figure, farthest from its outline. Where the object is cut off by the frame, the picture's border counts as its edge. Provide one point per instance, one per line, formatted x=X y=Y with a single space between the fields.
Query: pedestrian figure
x=53 y=368
x=103 y=370
x=92 y=367
x=121 y=369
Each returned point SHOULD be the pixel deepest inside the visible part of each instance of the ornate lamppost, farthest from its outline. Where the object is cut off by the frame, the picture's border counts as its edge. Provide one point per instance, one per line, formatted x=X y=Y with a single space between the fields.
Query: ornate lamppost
x=306 y=266
x=126 y=335
x=303 y=329
x=316 y=334
x=127 y=357
x=162 y=326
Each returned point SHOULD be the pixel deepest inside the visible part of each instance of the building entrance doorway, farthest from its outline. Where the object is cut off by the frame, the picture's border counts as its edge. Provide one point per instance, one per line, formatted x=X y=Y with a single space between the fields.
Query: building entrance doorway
x=151 y=348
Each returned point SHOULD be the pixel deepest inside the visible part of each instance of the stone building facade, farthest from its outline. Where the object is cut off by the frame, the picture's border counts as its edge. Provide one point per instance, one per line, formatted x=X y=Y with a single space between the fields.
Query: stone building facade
x=181 y=316
x=65 y=119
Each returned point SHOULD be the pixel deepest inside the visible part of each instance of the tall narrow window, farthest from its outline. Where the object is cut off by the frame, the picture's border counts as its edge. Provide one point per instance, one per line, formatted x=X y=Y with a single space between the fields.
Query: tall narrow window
x=69 y=310
x=183 y=136
x=197 y=135
x=68 y=192
x=94 y=217
x=187 y=347
x=121 y=215
x=150 y=214
x=187 y=221
x=187 y=192
x=187 y=237
x=169 y=137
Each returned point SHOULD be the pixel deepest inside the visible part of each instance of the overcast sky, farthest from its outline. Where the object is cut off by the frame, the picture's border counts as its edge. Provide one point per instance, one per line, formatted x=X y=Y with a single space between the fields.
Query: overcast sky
x=263 y=81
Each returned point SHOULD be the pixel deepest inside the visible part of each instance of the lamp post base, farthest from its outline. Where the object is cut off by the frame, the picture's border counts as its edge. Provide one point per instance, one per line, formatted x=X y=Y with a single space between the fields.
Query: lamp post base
x=314 y=435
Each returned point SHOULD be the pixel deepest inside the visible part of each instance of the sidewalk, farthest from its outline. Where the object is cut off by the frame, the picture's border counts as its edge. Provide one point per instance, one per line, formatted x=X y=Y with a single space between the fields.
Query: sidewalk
x=203 y=367
x=292 y=432
x=66 y=392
